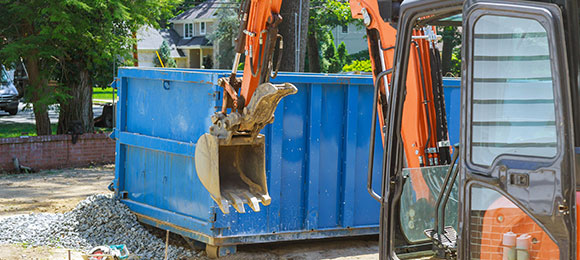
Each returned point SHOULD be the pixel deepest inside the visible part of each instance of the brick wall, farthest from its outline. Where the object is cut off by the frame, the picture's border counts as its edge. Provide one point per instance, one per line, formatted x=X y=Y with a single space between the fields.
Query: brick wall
x=56 y=151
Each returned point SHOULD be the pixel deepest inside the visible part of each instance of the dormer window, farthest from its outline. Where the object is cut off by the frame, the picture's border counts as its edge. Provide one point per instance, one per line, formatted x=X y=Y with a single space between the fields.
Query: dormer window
x=188 y=30
x=202 y=28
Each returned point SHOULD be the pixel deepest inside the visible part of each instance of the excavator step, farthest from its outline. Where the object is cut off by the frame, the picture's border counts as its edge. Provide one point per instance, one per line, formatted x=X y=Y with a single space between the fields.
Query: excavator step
x=448 y=236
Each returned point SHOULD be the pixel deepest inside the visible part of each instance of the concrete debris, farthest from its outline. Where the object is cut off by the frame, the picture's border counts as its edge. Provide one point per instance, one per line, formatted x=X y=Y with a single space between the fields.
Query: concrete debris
x=98 y=220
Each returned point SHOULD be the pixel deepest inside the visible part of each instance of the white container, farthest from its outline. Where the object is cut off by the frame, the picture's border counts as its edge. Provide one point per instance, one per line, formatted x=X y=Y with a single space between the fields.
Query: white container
x=522 y=246
x=509 y=244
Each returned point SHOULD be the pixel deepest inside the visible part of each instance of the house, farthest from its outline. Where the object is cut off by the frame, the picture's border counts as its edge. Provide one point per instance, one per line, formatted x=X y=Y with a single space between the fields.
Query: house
x=187 y=38
x=193 y=26
x=353 y=37
x=150 y=40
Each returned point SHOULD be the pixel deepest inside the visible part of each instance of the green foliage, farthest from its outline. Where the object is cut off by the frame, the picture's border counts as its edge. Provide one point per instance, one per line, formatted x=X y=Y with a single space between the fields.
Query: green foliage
x=324 y=16
x=331 y=62
x=455 y=63
x=358 y=66
x=361 y=55
x=451 y=54
x=208 y=62
x=342 y=54
x=330 y=51
x=71 y=33
x=165 y=55
x=74 y=42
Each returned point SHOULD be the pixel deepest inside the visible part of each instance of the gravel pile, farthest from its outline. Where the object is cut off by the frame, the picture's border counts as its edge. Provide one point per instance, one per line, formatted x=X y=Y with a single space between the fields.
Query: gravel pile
x=98 y=220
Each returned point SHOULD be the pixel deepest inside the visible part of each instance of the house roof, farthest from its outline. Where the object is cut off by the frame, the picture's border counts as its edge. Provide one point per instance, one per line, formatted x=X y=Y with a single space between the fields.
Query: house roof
x=205 y=10
x=150 y=38
x=194 y=41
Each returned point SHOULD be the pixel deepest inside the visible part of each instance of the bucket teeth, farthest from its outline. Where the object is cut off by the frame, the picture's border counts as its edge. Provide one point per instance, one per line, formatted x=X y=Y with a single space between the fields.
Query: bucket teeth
x=238 y=203
x=253 y=202
x=238 y=198
x=266 y=199
x=224 y=206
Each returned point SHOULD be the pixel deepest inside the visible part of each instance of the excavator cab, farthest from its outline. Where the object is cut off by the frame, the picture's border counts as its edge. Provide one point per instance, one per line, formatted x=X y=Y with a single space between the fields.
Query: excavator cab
x=509 y=192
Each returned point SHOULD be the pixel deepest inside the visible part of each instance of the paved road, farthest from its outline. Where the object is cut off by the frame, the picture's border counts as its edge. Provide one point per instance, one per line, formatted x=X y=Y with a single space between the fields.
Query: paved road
x=25 y=115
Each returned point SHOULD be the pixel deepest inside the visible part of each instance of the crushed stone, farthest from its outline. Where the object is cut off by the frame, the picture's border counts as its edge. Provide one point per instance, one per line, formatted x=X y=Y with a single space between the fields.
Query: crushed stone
x=95 y=221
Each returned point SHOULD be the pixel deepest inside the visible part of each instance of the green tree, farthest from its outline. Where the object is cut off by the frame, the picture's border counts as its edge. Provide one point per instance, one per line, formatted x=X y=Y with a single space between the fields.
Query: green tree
x=331 y=61
x=451 y=38
x=342 y=54
x=165 y=55
x=22 y=34
x=76 y=43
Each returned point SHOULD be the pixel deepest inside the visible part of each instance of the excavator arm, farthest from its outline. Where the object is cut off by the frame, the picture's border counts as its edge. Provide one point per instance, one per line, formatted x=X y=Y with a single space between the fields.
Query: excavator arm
x=229 y=160
x=424 y=131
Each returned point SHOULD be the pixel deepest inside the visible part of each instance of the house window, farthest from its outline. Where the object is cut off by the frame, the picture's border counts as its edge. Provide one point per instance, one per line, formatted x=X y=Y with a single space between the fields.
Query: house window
x=345 y=29
x=202 y=28
x=188 y=30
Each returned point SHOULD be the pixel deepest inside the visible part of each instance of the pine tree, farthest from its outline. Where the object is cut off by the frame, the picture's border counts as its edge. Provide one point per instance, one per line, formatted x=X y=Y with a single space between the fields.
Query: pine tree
x=165 y=54
x=342 y=54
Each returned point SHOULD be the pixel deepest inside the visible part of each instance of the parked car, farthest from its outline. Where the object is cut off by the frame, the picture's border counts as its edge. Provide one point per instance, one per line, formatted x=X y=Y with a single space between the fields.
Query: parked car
x=20 y=78
x=8 y=93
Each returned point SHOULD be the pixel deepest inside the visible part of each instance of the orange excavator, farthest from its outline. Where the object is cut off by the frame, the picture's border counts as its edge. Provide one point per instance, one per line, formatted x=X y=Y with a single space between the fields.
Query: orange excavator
x=508 y=191
x=512 y=183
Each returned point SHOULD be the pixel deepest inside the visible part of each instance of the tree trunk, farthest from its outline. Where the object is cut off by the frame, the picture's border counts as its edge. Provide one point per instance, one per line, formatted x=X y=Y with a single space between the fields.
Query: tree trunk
x=313 y=57
x=447 y=52
x=135 y=51
x=76 y=112
x=38 y=90
x=294 y=16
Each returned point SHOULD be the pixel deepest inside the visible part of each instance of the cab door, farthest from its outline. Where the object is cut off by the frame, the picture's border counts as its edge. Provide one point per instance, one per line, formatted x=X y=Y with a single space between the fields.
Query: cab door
x=517 y=157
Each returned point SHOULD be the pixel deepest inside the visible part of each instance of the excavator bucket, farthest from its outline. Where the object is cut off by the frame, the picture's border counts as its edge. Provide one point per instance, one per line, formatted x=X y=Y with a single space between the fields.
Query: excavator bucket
x=232 y=166
x=233 y=173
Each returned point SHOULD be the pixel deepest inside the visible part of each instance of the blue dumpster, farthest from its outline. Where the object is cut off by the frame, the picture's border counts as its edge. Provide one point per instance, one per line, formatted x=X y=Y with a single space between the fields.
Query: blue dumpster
x=316 y=157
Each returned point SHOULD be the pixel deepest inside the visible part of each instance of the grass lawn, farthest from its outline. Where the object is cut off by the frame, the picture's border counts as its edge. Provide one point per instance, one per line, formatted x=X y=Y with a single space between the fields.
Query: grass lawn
x=17 y=129
x=8 y=130
x=105 y=94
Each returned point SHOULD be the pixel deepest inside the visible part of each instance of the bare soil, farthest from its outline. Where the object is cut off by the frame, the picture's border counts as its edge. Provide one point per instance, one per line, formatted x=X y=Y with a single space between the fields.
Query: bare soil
x=54 y=191
x=59 y=191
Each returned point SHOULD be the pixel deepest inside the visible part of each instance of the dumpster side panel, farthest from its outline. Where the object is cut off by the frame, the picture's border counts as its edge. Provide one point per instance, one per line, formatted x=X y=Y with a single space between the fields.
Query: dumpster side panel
x=163 y=117
x=173 y=110
x=366 y=207
x=332 y=151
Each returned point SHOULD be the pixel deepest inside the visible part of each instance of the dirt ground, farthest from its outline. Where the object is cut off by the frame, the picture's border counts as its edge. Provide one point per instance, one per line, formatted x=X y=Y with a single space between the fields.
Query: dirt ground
x=59 y=191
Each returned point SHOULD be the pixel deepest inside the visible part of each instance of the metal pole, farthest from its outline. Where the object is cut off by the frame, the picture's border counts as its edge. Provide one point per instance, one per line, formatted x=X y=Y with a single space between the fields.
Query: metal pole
x=296 y=50
x=299 y=36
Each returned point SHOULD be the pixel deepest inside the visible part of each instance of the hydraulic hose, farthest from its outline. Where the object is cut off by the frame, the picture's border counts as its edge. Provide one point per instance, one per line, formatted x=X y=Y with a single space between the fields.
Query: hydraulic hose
x=425 y=101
